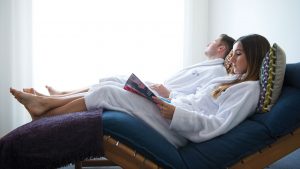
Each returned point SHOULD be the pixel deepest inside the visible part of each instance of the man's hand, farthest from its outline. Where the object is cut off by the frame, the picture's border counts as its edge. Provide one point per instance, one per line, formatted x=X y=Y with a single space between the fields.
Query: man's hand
x=161 y=90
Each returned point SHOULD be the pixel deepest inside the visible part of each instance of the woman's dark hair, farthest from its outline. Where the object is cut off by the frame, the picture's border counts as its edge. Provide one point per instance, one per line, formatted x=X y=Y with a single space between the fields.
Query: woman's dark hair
x=255 y=47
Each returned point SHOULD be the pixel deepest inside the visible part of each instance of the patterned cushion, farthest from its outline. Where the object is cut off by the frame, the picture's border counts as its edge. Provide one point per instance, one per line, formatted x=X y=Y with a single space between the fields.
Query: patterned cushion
x=271 y=78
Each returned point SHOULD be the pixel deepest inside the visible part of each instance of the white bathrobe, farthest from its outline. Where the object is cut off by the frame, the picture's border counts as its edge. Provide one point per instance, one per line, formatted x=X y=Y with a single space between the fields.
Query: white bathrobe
x=184 y=82
x=197 y=117
x=189 y=79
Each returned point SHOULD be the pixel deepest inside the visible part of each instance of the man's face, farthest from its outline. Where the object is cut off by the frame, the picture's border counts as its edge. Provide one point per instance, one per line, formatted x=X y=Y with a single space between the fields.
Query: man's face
x=212 y=48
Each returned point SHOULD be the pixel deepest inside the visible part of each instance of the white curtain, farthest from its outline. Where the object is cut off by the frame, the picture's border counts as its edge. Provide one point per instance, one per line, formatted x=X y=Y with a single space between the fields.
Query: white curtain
x=15 y=60
x=84 y=40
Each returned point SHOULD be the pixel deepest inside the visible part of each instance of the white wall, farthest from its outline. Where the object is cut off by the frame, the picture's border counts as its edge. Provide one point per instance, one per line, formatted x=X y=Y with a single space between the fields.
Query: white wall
x=277 y=20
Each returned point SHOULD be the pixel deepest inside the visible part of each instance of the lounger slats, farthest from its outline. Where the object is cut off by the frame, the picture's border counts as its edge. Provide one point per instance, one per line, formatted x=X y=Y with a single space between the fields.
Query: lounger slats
x=269 y=155
x=120 y=154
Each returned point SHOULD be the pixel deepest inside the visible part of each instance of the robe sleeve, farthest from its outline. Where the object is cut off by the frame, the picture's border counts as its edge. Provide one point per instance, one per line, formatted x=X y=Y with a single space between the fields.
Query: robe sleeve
x=235 y=105
x=174 y=94
x=207 y=74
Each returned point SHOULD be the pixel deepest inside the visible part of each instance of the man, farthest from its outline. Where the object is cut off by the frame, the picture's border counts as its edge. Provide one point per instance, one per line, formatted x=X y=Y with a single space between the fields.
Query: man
x=185 y=81
x=189 y=79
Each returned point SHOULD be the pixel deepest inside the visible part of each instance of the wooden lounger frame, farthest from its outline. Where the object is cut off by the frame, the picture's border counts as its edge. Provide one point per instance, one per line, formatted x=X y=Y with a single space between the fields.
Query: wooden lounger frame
x=121 y=155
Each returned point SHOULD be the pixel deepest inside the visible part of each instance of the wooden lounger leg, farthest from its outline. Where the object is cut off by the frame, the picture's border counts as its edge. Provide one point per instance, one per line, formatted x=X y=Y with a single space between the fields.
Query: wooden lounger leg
x=78 y=165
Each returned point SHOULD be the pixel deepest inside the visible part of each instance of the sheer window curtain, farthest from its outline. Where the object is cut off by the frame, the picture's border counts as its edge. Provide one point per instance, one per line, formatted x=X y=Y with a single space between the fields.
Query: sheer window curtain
x=195 y=30
x=122 y=30
x=15 y=60
x=84 y=40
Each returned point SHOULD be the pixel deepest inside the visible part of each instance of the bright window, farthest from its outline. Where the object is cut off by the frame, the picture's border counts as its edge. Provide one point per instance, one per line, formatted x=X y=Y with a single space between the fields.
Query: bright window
x=76 y=42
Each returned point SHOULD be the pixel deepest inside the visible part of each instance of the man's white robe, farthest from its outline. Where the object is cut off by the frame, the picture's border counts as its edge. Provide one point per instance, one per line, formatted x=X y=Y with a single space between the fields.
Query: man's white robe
x=184 y=82
x=189 y=79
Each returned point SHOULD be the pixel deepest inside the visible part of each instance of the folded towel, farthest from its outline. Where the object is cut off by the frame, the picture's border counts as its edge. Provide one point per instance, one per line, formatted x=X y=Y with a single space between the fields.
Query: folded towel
x=53 y=142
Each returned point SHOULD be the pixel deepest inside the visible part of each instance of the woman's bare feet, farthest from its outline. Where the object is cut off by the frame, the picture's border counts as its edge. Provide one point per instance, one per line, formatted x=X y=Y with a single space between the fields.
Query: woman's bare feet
x=53 y=91
x=33 y=103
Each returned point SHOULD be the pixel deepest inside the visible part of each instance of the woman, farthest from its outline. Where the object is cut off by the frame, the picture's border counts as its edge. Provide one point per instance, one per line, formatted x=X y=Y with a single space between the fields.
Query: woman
x=212 y=110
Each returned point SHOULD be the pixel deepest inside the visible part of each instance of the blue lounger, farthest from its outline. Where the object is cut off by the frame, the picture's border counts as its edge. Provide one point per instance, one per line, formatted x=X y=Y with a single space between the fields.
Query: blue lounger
x=257 y=142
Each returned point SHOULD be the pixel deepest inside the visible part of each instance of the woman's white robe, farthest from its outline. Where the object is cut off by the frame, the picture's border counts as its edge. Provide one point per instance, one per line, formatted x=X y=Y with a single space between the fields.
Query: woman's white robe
x=197 y=117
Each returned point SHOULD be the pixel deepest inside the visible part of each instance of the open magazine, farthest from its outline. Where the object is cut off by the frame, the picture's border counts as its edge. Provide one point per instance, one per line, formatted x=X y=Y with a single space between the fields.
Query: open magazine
x=135 y=85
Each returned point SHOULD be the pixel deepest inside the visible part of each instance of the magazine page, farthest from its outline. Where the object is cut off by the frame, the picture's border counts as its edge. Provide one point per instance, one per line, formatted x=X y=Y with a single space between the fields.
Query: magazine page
x=135 y=85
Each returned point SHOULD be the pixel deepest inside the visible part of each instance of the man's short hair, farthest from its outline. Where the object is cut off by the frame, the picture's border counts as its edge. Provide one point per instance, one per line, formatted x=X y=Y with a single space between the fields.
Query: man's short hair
x=228 y=42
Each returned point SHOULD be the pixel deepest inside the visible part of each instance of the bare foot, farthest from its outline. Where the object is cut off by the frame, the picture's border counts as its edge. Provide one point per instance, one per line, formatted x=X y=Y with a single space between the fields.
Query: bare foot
x=29 y=90
x=53 y=91
x=32 y=91
x=33 y=117
x=32 y=103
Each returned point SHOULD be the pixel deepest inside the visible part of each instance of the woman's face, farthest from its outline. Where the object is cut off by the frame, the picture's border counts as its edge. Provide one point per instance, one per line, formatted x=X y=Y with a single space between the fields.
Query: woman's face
x=238 y=60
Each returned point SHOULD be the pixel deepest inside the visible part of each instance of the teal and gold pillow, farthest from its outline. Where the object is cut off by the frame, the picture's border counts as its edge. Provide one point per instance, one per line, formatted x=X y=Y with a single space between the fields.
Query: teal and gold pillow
x=271 y=78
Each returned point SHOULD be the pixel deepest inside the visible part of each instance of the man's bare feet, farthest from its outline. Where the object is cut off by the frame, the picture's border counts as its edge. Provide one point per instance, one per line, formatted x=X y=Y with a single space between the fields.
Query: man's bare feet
x=32 y=103
x=53 y=91
x=32 y=91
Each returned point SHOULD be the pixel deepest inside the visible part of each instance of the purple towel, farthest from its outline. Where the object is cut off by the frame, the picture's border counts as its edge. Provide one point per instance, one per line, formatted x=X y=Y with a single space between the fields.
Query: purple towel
x=53 y=142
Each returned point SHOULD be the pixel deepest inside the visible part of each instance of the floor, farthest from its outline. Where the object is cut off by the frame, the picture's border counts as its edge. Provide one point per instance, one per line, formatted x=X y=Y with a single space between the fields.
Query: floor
x=292 y=161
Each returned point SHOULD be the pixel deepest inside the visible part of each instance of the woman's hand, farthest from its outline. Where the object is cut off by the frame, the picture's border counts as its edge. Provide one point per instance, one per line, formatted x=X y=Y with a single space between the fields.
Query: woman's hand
x=161 y=90
x=167 y=110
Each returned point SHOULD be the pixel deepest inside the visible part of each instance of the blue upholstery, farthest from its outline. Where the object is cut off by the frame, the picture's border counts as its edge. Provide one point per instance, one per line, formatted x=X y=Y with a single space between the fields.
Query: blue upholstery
x=250 y=136
x=223 y=151
x=135 y=133
x=285 y=115
x=292 y=77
